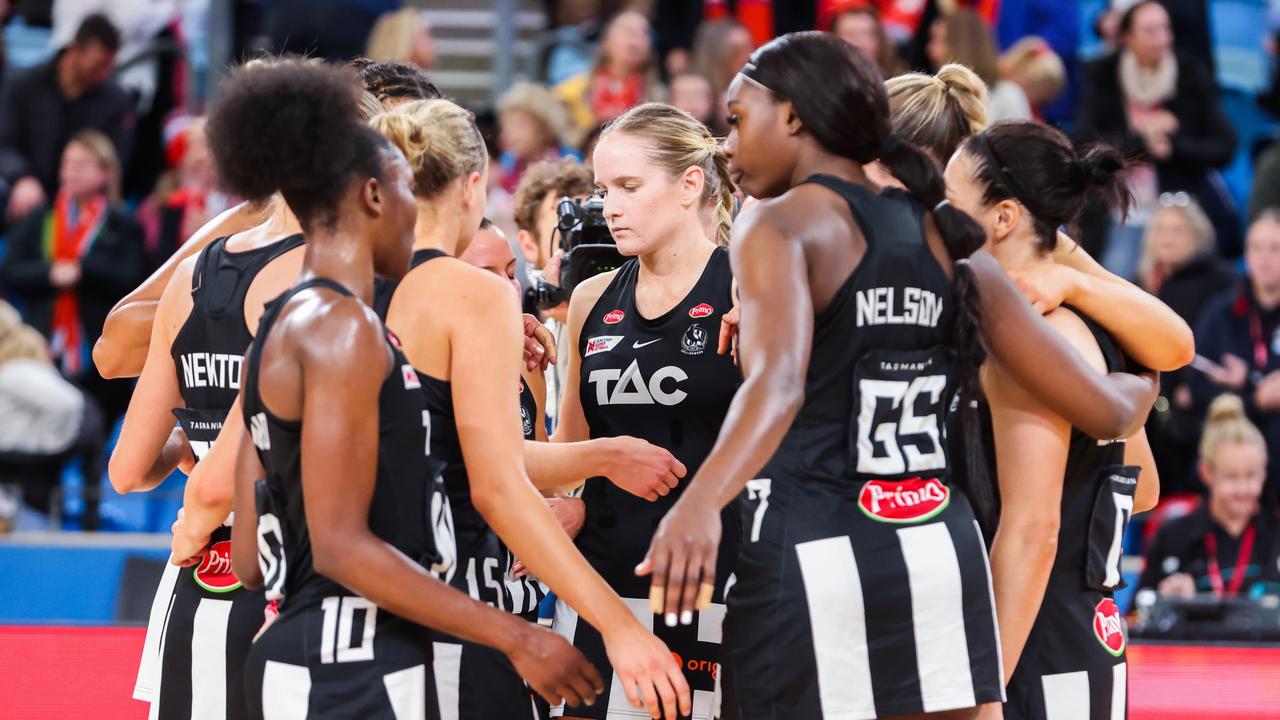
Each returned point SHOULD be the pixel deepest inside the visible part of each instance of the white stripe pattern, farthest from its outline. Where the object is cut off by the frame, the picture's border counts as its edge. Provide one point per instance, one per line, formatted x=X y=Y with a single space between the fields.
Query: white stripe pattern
x=1119 y=691
x=1066 y=695
x=995 y=622
x=937 y=614
x=837 y=615
x=286 y=691
x=209 y=660
x=147 y=685
x=407 y=692
x=447 y=665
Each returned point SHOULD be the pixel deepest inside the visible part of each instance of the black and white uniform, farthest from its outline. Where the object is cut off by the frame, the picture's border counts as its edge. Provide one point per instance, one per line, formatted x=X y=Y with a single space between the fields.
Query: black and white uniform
x=473 y=681
x=660 y=380
x=862 y=587
x=529 y=413
x=202 y=621
x=332 y=653
x=1073 y=666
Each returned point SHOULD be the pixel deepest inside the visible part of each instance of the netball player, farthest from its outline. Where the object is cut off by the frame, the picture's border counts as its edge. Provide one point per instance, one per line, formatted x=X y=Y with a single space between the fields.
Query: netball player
x=1065 y=498
x=467 y=365
x=122 y=348
x=937 y=113
x=862 y=588
x=351 y=510
x=643 y=363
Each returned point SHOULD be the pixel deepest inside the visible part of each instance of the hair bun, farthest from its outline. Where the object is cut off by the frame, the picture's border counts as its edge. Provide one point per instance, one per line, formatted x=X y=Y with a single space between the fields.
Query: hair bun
x=1098 y=165
x=1226 y=407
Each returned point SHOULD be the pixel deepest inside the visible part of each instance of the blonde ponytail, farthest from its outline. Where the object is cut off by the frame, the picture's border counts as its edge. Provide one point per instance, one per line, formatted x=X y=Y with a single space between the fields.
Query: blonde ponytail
x=678 y=142
x=937 y=112
x=438 y=138
x=1227 y=423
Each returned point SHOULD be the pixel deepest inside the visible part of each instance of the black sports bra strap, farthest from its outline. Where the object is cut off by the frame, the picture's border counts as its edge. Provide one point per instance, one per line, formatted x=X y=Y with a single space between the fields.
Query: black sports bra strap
x=204 y=262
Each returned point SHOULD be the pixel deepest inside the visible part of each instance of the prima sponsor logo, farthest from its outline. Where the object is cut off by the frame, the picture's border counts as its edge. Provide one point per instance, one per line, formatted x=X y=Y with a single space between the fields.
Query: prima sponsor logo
x=694 y=341
x=215 y=370
x=214 y=571
x=883 y=306
x=602 y=343
x=1108 y=627
x=613 y=317
x=700 y=311
x=906 y=501
x=394 y=340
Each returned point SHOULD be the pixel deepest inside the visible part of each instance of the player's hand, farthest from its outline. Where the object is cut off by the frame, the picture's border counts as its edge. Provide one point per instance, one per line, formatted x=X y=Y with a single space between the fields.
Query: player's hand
x=178 y=451
x=682 y=560
x=554 y=668
x=639 y=467
x=1047 y=285
x=1177 y=585
x=647 y=671
x=728 y=343
x=186 y=550
x=539 y=344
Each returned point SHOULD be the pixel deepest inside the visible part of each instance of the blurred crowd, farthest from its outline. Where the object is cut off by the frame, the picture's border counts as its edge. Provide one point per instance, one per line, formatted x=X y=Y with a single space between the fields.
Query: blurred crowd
x=105 y=171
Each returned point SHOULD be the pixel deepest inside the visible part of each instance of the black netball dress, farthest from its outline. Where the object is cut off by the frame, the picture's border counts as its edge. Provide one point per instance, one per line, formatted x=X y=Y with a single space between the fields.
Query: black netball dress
x=658 y=379
x=862 y=588
x=202 y=621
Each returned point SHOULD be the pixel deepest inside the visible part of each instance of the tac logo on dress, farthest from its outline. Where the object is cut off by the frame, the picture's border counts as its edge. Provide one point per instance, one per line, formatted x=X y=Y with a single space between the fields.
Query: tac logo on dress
x=1108 y=627
x=907 y=501
x=613 y=317
x=602 y=343
x=694 y=341
x=701 y=310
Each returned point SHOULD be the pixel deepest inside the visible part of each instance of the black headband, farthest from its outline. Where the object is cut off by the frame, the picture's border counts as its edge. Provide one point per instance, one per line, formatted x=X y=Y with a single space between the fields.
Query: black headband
x=981 y=146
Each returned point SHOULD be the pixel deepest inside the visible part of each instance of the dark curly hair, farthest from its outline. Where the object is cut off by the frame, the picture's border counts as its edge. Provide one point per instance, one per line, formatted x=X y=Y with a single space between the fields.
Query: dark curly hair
x=292 y=127
x=392 y=80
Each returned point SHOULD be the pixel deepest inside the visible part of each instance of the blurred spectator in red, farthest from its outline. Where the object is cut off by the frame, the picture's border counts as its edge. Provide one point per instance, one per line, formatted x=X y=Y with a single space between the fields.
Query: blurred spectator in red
x=900 y=18
x=185 y=197
x=624 y=75
x=1033 y=66
x=403 y=36
x=1229 y=546
x=963 y=37
x=1180 y=266
x=532 y=123
x=42 y=106
x=71 y=260
x=693 y=93
x=860 y=26
x=1160 y=107
x=1238 y=337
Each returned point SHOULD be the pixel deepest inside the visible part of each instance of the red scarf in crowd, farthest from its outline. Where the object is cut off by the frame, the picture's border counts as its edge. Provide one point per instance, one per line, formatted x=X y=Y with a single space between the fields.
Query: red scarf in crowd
x=610 y=97
x=69 y=232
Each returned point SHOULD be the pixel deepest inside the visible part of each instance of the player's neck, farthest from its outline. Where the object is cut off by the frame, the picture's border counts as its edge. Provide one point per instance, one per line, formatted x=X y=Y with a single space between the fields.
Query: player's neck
x=1233 y=523
x=1016 y=254
x=342 y=257
x=685 y=254
x=436 y=229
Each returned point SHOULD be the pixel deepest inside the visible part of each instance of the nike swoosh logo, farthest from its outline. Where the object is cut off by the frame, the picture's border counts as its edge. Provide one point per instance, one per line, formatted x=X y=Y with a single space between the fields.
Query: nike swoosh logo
x=639 y=344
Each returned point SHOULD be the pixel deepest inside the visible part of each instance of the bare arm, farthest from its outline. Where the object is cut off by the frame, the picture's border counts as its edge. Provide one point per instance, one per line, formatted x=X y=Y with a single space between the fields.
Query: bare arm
x=773 y=348
x=1041 y=361
x=1137 y=451
x=121 y=350
x=244 y=531
x=210 y=491
x=144 y=456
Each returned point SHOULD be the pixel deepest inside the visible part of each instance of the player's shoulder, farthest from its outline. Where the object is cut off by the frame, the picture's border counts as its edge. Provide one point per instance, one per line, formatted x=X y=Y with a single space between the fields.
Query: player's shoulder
x=1073 y=327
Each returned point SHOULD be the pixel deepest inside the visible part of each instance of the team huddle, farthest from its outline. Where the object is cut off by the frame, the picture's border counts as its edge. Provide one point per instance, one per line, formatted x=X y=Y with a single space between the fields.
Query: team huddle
x=893 y=488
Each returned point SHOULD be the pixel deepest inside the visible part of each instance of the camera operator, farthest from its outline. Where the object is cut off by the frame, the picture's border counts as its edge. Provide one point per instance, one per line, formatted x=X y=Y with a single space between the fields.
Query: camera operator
x=1229 y=546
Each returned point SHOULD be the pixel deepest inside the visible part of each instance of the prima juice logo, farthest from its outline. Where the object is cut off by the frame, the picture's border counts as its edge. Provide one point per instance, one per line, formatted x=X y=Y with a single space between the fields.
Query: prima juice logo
x=905 y=501
x=214 y=571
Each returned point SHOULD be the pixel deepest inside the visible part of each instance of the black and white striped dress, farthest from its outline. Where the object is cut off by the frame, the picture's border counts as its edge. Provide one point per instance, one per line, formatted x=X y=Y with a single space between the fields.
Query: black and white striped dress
x=862 y=586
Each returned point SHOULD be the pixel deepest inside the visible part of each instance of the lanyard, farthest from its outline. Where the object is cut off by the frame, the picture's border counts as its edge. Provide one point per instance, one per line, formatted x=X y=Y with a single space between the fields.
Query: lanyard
x=1255 y=332
x=1242 y=562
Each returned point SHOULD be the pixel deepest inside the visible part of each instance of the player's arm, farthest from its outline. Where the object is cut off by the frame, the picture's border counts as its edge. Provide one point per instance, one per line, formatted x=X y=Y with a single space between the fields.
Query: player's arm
x=1040 y=360
x=121 y=350
x=773 y=349
x=537 y=383
x=339 y=472
x=1137 y=451
x=485 y=339
x=244 y=529
x=149 y=447
x=572 y=422
x=210 y=491
x=1031 y=445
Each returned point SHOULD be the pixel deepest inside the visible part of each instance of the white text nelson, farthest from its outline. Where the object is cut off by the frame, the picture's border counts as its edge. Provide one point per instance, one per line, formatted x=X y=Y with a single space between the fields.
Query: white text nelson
x=881 y=306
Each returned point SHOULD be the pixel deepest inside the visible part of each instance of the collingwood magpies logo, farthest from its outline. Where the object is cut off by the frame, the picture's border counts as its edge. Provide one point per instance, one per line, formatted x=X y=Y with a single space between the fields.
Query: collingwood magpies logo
x=694 y=341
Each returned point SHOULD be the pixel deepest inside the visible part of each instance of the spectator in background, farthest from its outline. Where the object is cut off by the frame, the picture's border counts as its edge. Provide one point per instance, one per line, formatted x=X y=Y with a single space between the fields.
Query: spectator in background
x=1058 y=23
x=1033 y=66
x=71 y=260
x=962 y=37
x=186 y=196
x=1160 y=107
x=1238 y=337
x=42 y=106
x=720 y=49
x=403 y=36
x=1179 y=265
x=624 y=75
x=334 y=30
x=532 y=123
x=1229 y=546
x=860 y=26
x=693 y=93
